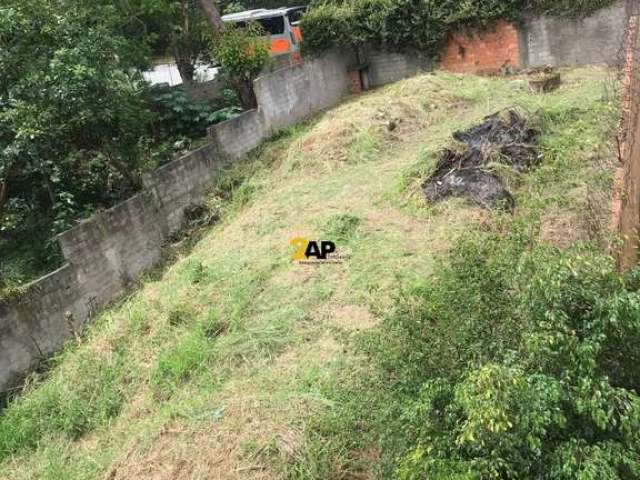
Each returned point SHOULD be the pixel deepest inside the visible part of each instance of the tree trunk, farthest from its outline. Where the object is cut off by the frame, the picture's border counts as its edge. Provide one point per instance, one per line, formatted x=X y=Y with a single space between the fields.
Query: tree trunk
x=4 y=194
x=182 y=45
x=248 y=99
x=186 y=69
x=213 y=16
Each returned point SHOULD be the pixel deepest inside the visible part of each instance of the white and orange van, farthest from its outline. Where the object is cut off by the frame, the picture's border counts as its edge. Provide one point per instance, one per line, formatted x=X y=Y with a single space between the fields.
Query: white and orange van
x=282 y=25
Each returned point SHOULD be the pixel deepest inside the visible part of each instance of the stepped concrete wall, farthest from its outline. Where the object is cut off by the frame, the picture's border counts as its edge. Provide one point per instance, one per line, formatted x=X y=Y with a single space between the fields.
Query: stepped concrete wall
x=105 y=255
x=108 y=252
x=285 y=97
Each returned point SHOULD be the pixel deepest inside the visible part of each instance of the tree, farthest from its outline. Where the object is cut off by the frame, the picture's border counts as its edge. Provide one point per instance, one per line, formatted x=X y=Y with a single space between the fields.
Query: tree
x=72 y=108
x=178 y=28
x=213 y=16
x=242 y=53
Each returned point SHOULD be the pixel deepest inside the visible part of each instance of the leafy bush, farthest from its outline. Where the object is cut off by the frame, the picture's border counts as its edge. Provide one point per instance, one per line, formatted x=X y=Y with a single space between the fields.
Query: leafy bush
x=178 y=115
x=242 y=53
x=73 y=121
x=78 y=125
x=513 y=361
x=326 y=26
x=417 y=24
x=517 y=364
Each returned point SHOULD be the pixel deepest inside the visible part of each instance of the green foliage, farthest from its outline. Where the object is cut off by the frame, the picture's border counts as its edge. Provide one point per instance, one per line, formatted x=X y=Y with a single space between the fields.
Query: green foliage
x=73 y=119
x=325 y=26
x=177 y=28
x=234 y=7
x=190 y=355
x=516 y=363
x=178 y=115
x=78 y=125
x=242 y=52
x=342 y=227
x=72 y=112
x=416 y=24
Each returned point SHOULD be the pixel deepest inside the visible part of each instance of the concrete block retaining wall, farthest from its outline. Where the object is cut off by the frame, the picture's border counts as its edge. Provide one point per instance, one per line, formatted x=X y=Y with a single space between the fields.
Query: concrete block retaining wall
x=105 y=255
x=285 y=97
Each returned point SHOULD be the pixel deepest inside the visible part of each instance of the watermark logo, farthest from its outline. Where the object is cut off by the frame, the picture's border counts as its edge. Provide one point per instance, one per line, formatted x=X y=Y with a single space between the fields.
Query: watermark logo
x=314 y=251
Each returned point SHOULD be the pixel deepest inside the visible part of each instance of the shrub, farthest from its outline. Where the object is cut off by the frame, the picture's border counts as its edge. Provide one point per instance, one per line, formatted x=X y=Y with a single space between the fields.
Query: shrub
x=417 y=24
x=518 y=364
x=179 y=115
x=326 y=26
x=243 y=53
x=513 y=361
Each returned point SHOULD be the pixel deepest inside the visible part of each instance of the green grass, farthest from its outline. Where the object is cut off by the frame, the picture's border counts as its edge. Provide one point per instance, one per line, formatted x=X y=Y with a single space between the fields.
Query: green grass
x=236 y=361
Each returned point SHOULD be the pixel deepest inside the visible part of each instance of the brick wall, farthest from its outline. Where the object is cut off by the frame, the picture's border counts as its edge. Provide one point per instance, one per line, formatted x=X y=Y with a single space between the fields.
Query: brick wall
x=483 y=52
x=540 y=41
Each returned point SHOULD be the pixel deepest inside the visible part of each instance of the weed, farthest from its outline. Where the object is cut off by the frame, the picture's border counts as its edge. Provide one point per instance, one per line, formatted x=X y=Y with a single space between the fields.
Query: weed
x=196 y=272
x=342 y=227
x=179 y=315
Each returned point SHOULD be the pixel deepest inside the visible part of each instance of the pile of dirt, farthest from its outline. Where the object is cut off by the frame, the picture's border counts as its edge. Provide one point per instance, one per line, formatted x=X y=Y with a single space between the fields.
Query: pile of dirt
x=467 y=170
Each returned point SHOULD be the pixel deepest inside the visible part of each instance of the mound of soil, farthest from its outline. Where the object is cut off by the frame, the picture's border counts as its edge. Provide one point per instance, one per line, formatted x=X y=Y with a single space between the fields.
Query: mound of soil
x=506 y=138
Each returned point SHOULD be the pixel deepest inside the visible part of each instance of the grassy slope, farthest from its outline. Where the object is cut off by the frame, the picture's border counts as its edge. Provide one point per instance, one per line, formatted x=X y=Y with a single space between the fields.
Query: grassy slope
x=214 y=369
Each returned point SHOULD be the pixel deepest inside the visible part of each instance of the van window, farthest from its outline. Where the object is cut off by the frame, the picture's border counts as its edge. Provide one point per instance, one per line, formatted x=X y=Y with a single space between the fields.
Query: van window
x=273 y=25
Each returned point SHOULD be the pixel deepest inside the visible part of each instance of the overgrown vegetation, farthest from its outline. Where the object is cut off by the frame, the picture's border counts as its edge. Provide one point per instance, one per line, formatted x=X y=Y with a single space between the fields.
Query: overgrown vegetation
x=236 y=362
x=78 y=125
x=511 y=362
x=417 y=24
